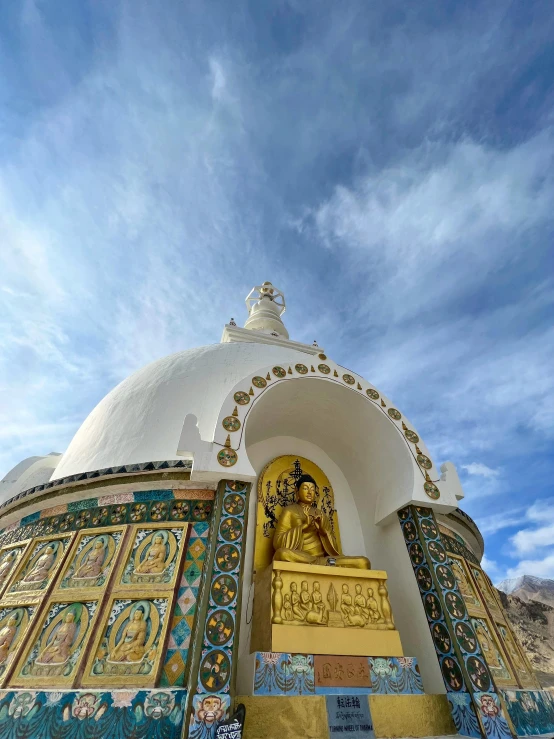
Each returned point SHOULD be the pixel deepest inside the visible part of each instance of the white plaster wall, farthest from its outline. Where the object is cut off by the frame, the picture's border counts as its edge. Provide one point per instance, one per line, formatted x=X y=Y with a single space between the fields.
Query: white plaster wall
x=141 y=419
x=27 y=474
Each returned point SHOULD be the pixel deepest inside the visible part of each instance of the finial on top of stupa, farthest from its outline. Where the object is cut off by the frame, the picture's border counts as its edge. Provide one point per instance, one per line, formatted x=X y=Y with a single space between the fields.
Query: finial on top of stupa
x=265 y=306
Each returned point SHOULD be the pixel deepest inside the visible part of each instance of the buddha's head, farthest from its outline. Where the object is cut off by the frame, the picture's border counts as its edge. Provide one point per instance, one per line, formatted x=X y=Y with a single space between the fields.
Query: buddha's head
x=306 y=489
x=158 y=539
x=12 y=621
x=69 y=617
x=99 y=544
x=138 y=614
x=49 y=551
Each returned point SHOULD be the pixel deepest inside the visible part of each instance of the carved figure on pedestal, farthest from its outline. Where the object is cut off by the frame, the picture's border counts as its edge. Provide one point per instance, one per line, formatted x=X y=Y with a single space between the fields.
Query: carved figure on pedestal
x=372 y=606
x=317 y=614
x=304 y=533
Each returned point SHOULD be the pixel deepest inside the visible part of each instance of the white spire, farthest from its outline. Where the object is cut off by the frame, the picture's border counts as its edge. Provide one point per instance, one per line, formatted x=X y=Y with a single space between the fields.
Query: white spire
x=265 y=306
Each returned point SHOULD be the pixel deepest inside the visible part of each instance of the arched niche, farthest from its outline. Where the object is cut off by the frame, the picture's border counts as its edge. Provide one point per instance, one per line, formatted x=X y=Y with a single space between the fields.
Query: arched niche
x=366 y=459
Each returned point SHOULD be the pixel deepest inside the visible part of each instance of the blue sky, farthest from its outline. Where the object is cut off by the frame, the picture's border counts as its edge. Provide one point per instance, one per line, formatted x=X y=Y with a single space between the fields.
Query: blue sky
x=388 y=165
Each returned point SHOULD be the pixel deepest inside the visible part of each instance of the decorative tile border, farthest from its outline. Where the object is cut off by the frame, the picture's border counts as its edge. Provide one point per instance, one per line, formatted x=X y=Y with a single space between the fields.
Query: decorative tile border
x=463 y=666
x=144 y=506
x=293 y=674
x=92 y=714
x=216 y=667
x=169 y=464
x=174 y=669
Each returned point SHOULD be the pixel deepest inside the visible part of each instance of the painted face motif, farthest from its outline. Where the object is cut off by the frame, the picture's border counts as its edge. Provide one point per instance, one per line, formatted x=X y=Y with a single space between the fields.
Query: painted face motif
x=210 y=709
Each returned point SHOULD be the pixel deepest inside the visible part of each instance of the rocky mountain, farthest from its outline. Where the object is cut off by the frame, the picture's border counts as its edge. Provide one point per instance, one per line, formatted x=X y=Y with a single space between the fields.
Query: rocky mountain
x=533 y=623
x=528 y=588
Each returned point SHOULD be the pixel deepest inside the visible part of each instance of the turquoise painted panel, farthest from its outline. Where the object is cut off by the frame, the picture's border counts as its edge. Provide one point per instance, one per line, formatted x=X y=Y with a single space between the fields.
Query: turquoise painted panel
x=118 y=714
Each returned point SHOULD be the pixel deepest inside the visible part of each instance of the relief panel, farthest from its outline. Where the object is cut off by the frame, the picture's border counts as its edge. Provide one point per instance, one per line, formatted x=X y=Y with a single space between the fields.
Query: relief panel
x=14 y=625
x=38 y=567
x=130 y=643
x=10 y=556
x=153 y=557
x=467 y=589
x=56 y=645
x=91 y=559
x=491 y=651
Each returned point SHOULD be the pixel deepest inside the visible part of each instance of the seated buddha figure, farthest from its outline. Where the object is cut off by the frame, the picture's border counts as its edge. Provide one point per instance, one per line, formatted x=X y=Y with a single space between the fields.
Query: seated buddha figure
x=91 y=566
x=58 y=649
x=131 y=645
x=154 y=561
x=304 y=533
x=41 y=568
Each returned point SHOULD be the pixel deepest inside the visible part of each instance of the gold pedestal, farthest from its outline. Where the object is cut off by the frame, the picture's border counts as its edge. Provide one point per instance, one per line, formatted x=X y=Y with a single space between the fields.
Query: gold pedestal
x=312 y=609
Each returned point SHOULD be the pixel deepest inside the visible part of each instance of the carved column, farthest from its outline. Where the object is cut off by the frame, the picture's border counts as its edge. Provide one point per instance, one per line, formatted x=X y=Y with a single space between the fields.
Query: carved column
x=277 y=598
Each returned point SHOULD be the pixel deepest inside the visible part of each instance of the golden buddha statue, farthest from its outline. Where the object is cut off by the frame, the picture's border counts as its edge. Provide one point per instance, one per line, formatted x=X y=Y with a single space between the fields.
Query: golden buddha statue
x=304 y=533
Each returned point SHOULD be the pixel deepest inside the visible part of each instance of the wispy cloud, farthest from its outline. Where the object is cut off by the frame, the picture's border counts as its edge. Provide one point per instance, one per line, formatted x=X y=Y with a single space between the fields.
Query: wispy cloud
x=391 y=173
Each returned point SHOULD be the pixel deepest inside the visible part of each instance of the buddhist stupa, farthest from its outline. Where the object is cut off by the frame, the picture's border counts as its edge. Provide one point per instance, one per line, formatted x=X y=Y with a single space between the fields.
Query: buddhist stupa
x=251 y=523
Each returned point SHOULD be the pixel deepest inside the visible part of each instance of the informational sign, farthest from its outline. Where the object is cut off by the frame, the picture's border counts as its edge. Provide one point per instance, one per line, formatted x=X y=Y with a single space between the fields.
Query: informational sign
x=349 y=715
x=233 y=727
x=341 y=672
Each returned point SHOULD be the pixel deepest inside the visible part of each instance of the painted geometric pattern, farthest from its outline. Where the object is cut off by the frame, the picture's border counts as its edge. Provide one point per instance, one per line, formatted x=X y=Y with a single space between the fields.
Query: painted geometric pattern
x=174 y=669
x=144 y=506
x=216 y=662
x=448 y=619
x=141 y=714
x=293 y=674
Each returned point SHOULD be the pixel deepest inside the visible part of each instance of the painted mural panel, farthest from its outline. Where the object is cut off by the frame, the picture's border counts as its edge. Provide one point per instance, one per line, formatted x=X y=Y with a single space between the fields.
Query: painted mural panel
x=117 y=714
x=491 y=651
x=39 y=566
x=515 y=655
x=91 y=560
x=56 y=645
x=154 y=556
x=10 y=557
x=14 y=624
x=465 y=585
x=485 y=588
x=130 y=644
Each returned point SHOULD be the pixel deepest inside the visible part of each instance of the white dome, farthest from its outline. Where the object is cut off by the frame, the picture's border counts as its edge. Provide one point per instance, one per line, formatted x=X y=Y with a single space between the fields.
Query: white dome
x=141 y=419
